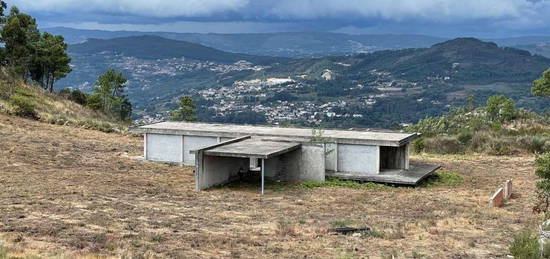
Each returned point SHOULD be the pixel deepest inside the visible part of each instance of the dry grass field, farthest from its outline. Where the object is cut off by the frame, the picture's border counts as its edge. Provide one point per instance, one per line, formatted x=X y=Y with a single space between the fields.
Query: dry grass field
x=67 y=192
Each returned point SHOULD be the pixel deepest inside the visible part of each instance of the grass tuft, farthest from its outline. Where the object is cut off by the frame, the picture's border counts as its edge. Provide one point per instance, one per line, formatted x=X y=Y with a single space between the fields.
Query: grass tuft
x=525 y=245
x=443 y=178
x=335 y=182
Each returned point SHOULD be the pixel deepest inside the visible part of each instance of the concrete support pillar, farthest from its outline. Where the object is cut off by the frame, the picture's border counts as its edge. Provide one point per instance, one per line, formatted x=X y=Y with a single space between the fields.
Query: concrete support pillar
x=145 y=146
x=407 y=150
x=263 y=175
x=182 y=150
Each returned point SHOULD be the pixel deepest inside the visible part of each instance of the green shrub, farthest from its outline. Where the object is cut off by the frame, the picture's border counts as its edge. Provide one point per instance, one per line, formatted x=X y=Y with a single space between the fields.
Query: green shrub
x=443 y=178
x=484 y=142
x=443 y=145
x=58 y=120
x=534 y=144
x=479 y=141
x=533 y=131
x=500 y=108
x=97 y=125
x=546 y=250
x=500 y=146
x=525 y=246
x=465 y=136
x=23 y=106
x=6 y=89
x=335 y=182
x=94 y=101
x=76 y=96
x=3 y=252
x=418 y=145
x=496 y=126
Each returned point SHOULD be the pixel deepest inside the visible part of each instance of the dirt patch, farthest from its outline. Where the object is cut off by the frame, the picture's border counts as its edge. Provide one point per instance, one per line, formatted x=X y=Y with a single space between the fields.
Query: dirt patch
x=73 y=192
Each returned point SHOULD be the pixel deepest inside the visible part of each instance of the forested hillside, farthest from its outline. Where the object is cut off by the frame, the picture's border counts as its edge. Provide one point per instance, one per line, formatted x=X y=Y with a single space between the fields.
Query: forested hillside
x=380 y=89
x=155 y=47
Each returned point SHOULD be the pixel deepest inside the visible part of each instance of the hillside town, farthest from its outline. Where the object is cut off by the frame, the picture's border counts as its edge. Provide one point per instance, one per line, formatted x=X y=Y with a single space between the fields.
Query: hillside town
x=276 y=98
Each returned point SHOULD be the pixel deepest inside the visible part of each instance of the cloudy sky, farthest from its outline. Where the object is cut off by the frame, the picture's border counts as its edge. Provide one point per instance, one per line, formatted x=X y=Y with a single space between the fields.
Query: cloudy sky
x=481 y=18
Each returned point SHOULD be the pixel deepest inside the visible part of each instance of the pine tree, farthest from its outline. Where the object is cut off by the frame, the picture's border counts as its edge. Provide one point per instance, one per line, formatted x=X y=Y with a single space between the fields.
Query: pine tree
x=109 y=95
x=50 y=61
x=20 y=36
x=186 y=111
x=541 y=86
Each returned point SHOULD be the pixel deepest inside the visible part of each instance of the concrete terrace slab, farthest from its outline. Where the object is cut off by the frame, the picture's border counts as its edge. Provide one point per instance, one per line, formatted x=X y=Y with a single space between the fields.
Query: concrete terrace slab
x=412 y=176
x=395 y=139
x=253 y=148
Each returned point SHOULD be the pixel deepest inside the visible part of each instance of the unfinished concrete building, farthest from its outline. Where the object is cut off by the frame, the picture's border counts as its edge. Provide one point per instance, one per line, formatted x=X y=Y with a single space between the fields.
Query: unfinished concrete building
x=221 y=152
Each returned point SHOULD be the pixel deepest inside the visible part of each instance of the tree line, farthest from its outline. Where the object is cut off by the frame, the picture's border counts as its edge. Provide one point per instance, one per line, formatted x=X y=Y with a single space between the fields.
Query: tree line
x=41 y=58
x=32 y=55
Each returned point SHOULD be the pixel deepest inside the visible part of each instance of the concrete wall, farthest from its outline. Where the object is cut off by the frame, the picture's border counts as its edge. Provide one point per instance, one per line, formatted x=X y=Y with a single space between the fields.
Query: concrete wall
x=358 y=159
x=193 y=143
x=175 y=148
x=312 y=163
x=331 y=156
x=304 y=164
x=163 y=148
x=218 y=170
x=275 y=168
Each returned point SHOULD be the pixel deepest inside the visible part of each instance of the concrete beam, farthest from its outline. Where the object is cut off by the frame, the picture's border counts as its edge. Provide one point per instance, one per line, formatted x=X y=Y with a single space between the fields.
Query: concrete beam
x=295 y=134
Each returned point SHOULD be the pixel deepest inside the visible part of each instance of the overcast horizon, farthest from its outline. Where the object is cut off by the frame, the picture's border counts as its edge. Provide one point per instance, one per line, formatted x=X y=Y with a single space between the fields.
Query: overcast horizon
x=441 y=18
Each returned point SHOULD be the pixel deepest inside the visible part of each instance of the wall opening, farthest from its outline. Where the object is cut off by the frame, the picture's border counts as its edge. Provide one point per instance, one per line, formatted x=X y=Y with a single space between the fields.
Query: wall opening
x=392 y=158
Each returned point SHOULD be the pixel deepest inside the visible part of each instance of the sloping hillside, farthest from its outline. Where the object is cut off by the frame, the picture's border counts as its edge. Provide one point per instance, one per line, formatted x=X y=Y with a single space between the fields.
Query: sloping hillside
x=76 y=193
x=542 y=49
x=462 y=60
x=155 y=47
x=382 y=89
x=19 y=98
x=285 y=44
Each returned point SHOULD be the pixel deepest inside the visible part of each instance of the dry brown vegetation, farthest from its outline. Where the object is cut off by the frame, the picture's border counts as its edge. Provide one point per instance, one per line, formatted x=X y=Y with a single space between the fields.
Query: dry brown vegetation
x=50 y=108
x=69 y=192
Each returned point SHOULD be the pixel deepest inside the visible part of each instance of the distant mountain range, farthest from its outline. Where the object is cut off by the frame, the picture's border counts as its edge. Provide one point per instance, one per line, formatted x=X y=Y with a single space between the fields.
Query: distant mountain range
x=156 y=47
x=382 y=88
x=285 y=44
x=291 y=44
x=461 y=60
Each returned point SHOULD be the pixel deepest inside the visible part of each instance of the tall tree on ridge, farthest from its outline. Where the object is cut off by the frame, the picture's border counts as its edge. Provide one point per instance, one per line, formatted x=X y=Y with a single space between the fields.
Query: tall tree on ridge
x=186 y=111
x=20 y=35
x=50 y=61
x=541 y=86
x=109 y=89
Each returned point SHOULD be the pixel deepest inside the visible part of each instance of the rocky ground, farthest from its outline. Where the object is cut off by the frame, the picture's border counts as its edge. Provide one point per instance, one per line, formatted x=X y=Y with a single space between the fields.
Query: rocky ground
x=68 y=192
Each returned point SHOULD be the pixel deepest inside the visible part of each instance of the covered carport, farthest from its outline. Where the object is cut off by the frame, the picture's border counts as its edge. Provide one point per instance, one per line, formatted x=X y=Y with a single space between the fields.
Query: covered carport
x=220 y=163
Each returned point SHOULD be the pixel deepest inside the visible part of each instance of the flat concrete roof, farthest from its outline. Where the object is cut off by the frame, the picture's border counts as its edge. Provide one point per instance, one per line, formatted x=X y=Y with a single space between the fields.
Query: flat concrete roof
x=297 y=134
x=253 y=148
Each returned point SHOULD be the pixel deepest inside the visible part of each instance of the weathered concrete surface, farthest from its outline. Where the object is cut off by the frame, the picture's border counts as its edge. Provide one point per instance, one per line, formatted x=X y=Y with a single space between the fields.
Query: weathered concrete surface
x=216 y=170
x=507 y=189
x=311 y=166
x=253 y=148
x=358 y=159
x=304 y=164
x=192 y=143
x=298 y=134
x=331 y=156
x=164 y=148
x=497 y=199
x=285 y=161
x=412 y=176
